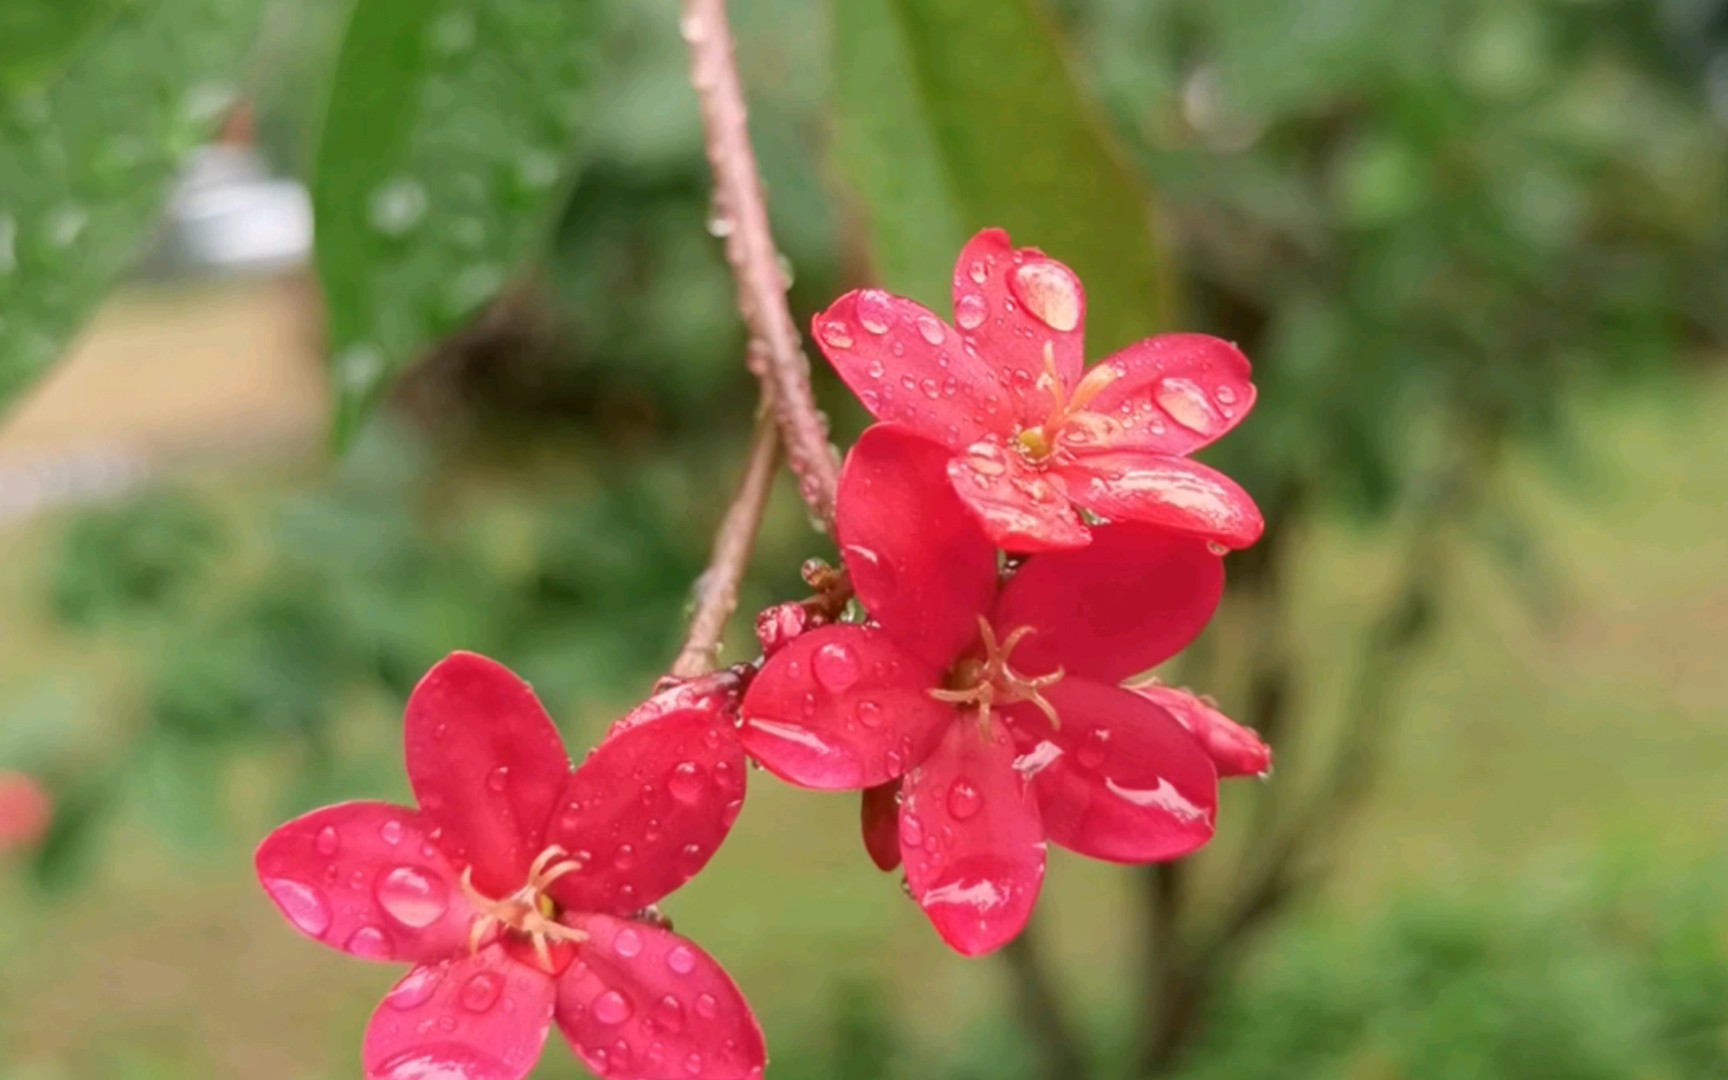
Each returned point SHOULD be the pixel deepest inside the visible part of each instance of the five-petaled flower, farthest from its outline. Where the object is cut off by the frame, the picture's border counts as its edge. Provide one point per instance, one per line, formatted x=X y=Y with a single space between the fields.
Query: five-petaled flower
x=520 y=891
x=994 y=704
x=1032 y=440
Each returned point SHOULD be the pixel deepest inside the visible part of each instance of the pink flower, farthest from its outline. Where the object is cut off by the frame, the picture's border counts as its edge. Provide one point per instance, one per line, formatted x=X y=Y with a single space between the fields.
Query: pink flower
x=993 y=706
x=519 y=891
x=1031 y=441
x=25 y=811
x=1235 y=750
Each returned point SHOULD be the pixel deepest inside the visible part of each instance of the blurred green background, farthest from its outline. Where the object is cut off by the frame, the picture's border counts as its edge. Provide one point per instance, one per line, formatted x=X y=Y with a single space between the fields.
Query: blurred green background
x=1475 y=248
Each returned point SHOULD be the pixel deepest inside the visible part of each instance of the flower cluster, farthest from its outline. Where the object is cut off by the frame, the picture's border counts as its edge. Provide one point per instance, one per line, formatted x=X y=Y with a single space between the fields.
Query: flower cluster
x=1018 y=539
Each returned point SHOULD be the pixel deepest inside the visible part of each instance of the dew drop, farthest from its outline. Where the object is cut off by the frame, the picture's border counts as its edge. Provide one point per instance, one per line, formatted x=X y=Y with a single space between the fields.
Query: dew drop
x=327 y=842
x=875 y=369
x=874 y=310
x=304 y=905
x=369 y=943
x=612 y=1008
x=869 y=713
x=669 y=1013
x=413 y=990
x=687 y=782
x=1187 y=405
x=976 y=272
x=413 y=897
x=1050 y=292
x=1225 y=395
x=690 y=859
x=682 y=960
x=963 y=800
x=627 y=944
x=1092 y=748
x=1216 y=548
x=391 y=832
x=836 y=667
x=398 y=206
x=693 y=1064
x=498 y=778
x=930 y=329
x=624 y=858
x=706 y=1007
x=481 y=992
x=836 y=335
x=911 y=831
x=970 y=310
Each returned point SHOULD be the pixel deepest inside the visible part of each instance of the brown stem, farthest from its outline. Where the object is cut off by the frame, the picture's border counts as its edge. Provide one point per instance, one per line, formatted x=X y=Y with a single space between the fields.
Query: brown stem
x=1038 y=1002
x=741 y=216
x=717 y=588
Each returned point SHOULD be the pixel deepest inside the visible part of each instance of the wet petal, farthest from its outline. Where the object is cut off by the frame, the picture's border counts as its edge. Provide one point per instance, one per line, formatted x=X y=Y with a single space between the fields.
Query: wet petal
x=644 y=1003
x=365 y=878
x=1120 y=779
x=481 y=1017
x=486 y=765
x=908 y=367
x=879 y=817
x=971 y=838
x=1132 y=599
x=1234 y=749
x=917 y=560
x=1174 y=393
x=1171 y=492
x=647 y=810
x=842 y=708
x=1009 y=304
x=1020 y=508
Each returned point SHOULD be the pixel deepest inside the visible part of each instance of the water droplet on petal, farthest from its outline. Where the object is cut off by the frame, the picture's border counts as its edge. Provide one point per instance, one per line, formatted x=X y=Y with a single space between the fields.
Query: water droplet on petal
x=681 y=959
x=327 y=842
x=370 y=943
x=1092 y=748
x=706 y=1007
x=412 y=897
x=413 y=990
x=875 y=310
x=304 y=905
x=869 y=713
x=836 y=335
x=1225 y=395
x=481 y=992
x=963 y=800
x=1050 y=292
x=612 y=1008
x=687 y=782
x=498 y=778
x=669 y=1013
x=911 y=831
x=391 y=832
x=976 y=272
x=1187 y=405
x=836 y=667
x=624 y=858
x=930 y=329
x=693 y=1064
x=1216 y=548
x=970 y=310
x=627 y=944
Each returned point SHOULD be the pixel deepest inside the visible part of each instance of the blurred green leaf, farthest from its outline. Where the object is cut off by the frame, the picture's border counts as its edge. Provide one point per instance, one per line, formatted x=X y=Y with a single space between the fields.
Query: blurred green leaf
x=98 y=108
x=446 y=151
x=953 y=115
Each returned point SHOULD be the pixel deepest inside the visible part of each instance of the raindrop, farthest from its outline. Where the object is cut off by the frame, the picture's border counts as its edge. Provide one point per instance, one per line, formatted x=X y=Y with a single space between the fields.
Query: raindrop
x=706 y=1007
x=693 y=1064
x=690 y=859
x=1187 y=405
x=612 y=1008
x=931 y=329
x=836 y=335
x=413 y=897
x=413 y=990
x=669 y=1013
x=398 y=206
x=682 y=960
x=911 y=831
x=1050 y=292
x=498 y=778
x=875 y=369
x=1225 y=395
x=369 y=943
x=1092 y=748
x=976 y=272
x=327 y=842
x=481 y=992
x=627 y=944
x=391 y=832
x=969 y=311
x=836 y=667
x=1216 y=548
x=624 y=858
x=687 y=782
x=874 y=311
x=869 y=714
x=963 y=800
x=304 y=905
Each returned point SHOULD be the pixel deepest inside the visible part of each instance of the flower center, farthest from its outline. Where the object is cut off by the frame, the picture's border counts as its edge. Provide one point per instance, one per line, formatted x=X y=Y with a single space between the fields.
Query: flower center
x=1038 y=443
x=529 y=913
x=988 y=680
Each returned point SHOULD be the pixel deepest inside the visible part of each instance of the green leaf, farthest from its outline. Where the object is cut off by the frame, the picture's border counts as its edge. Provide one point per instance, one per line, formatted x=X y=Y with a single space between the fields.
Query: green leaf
x=954 y=115
x=446 y=150
x=100 y=104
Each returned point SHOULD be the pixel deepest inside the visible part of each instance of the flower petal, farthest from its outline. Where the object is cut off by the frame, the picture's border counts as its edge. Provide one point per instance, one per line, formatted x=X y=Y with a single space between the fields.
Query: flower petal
x=1174 y=393
x=647 y=810
x=1021 y=508
x=363 y=877
x=971 y=838
x=908 y=367
x=644 y=1003
x=1172 y=492
x=1133 y=598
x=1009 y=304
x=1234 y=749
x=480 y=1017
x=879 y=817
x=842 y=708
x=918 y=562
x=1120 y=779
x=26 y=810
x=486 y=765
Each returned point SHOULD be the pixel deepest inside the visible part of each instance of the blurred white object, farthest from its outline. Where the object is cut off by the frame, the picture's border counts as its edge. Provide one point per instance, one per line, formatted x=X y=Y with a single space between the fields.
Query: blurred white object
x=228 y=215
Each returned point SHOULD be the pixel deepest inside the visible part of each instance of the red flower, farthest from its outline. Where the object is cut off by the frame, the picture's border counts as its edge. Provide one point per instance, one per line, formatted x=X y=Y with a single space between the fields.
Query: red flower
x=1031 y=440
x=994 y=707
x=518 y=888
x=25 y=811
x=1234 y=749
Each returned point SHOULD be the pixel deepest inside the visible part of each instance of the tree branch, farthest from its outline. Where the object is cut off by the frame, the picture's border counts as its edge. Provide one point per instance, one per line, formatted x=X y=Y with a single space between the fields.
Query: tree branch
x=741 y=216
x=717 y=588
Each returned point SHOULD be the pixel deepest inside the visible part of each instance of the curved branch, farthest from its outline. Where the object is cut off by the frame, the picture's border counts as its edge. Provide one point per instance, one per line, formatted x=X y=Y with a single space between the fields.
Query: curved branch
x=741 y=216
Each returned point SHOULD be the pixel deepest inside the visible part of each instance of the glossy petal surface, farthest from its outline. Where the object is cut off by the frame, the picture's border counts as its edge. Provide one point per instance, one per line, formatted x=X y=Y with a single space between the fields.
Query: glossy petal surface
x=1170 y=492
x=1009 y=304
x=1120 y=779
x=842 y=708
x=486 y=765
x=647 y=810
x=1019 y=507
x=363 y=877
x=481 y=1017
x=972 y=840
x=908 y=367
x=918 y=562
x=1131 y=599
x=1175 y=393
x=1234 y=749
x=879 y=820
x=644 y=1003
